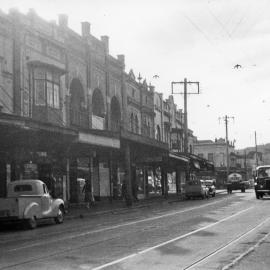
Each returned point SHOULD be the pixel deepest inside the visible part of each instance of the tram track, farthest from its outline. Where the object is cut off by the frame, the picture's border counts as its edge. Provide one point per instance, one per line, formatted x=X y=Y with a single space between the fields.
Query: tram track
x=228 y=244
x=26 y=261
x=71 y=249
x=71 y=233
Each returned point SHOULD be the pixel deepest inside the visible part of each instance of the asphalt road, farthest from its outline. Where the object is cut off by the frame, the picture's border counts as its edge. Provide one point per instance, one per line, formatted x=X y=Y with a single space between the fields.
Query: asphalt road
x=193 y=234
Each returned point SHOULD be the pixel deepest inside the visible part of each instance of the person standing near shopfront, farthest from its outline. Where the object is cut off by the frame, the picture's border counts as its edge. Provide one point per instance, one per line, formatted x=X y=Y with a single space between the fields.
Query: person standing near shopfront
x=89 y=198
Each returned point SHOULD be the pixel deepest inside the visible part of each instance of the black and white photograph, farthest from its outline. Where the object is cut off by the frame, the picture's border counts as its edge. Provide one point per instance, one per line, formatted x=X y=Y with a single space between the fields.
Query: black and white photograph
x=134 y=135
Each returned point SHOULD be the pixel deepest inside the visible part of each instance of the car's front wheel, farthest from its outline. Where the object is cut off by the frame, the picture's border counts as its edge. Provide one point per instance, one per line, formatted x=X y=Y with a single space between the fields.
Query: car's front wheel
x=60 y=216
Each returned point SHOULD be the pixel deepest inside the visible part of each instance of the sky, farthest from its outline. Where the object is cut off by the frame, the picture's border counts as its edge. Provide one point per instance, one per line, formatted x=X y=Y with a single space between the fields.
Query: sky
x=201 y=40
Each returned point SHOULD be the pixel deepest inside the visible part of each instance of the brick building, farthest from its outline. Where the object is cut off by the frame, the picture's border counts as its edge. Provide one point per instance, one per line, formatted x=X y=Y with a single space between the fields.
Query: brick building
x=72 y=117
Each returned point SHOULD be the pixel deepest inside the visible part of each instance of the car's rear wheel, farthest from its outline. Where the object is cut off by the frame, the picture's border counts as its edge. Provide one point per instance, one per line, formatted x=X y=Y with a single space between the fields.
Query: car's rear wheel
x=258 y=196
x=214 y=194
x=31 y=223
x=60 y=216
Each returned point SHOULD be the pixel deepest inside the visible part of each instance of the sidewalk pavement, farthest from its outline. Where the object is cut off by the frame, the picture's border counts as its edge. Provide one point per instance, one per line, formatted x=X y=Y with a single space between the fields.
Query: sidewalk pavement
x=119 y=206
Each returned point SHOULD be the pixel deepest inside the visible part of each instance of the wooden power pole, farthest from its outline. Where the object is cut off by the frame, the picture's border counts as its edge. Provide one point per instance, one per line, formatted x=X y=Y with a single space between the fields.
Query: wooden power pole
x=185 y=93
x=226 y=120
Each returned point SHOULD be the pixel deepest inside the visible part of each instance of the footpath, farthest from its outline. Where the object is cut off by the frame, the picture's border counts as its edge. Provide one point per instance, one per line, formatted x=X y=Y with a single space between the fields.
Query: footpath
x=82 y=210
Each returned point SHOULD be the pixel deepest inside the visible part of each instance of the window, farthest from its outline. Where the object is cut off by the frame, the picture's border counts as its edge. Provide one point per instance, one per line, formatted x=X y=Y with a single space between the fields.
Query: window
x=21 y=188
x=136 y=124
x=45 y=190
x=133 y=92
x=211 y=157
x=131 y=123
x=47 y=87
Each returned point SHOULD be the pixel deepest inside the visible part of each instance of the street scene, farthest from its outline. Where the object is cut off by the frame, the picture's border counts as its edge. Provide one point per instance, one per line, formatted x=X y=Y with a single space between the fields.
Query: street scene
x=225 y=232
x=134 y=134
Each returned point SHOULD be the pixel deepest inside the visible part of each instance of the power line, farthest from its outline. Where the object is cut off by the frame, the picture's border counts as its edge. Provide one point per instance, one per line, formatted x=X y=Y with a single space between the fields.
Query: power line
x=228 y=33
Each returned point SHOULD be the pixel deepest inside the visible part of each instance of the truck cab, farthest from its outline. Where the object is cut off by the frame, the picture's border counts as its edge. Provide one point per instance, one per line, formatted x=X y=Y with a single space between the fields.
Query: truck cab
x=262 y=181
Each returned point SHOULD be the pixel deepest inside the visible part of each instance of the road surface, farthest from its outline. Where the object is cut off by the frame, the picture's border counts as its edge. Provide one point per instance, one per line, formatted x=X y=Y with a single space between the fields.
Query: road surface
x=192 y=234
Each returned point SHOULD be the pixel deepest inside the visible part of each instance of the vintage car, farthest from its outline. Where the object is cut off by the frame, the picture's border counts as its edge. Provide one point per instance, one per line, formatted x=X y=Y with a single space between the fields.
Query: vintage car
x=29 y=201
x=211 y=184
x=262 y=181
x=196 y=188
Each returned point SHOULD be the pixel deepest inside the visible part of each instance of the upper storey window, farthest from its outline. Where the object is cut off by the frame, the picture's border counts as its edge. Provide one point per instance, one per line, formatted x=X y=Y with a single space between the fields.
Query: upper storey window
x=47 y=87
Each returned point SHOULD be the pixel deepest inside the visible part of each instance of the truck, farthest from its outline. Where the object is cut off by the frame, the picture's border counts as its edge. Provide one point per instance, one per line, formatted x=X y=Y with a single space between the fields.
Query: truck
x=235 y=182
x=262 y=181
x=29 y=201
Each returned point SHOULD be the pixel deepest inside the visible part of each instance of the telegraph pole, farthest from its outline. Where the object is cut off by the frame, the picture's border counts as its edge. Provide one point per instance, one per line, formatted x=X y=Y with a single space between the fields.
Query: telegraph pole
x=226 y=120
x=256 y=149
x=185 y=93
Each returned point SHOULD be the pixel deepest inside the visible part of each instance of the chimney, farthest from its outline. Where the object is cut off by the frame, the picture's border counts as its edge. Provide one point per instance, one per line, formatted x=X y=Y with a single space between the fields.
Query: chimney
x=121 y=59
x=63 y=20
x=105 y=40
x=85 y=29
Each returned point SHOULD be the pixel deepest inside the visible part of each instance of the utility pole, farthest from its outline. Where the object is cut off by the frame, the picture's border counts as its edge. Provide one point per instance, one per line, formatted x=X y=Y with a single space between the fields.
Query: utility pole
x=226 y=120
x=185 y=93
x=256 y=149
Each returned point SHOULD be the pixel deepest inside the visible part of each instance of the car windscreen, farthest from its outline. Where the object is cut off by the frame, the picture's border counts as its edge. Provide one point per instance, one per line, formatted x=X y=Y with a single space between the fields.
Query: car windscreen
x=264 y=172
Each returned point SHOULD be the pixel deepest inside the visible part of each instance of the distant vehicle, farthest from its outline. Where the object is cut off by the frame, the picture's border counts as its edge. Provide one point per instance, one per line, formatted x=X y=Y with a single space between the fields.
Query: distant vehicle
x=211 y=187
x=196 y=188
x=262 y=181
x=235 y=182
x=29 y=201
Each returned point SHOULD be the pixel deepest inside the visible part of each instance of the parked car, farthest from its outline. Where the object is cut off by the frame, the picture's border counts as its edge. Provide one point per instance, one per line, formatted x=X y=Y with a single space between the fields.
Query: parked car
x=211 y=187
x=262 y=181
x=29 y=201
x=196 y=188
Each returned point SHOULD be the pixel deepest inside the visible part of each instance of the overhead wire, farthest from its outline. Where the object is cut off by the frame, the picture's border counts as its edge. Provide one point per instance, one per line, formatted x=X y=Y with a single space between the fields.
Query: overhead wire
x=204 y=35
x=229 y=35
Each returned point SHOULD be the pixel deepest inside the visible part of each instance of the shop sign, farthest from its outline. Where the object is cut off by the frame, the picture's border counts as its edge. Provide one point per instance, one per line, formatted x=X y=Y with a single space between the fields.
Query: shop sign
x=30 y=170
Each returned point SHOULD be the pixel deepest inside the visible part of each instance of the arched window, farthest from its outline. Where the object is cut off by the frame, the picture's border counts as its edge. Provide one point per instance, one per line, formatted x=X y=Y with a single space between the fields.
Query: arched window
x=136 y=124
x=158 y=135
x=78 y=112
x=148 y=128
x=98 y=104
x=115 y=114
x=131 y=123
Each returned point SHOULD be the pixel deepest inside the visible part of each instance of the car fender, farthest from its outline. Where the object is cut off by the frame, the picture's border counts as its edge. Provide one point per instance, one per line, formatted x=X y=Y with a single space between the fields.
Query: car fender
x=56 y=204
x=32 y=210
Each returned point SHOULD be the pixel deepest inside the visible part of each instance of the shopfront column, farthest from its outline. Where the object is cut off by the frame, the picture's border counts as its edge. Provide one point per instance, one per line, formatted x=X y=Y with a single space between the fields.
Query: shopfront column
x=128 y=175
x=164 y=181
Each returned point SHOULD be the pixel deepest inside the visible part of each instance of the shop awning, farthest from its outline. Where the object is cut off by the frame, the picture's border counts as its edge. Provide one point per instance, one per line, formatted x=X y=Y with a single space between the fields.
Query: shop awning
x=202 y=164
x=179 y=157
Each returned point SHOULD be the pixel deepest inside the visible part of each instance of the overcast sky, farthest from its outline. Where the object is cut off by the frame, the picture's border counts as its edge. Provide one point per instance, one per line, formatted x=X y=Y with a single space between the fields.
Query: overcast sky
x=201 y=40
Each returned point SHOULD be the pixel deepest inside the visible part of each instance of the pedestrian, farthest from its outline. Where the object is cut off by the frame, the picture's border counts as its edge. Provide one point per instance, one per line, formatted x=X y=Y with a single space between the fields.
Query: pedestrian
x=135 y=190
x=89 y=198
x=124 y=190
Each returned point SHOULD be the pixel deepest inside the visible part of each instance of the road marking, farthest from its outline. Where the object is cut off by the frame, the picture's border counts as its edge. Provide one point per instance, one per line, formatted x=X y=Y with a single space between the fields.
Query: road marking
x=113 y=227
x=169 y=241
x=229 y=244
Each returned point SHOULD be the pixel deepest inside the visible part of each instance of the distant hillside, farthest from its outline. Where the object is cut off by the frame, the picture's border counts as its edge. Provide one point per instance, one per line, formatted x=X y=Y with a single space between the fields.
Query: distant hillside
x=264 y=148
